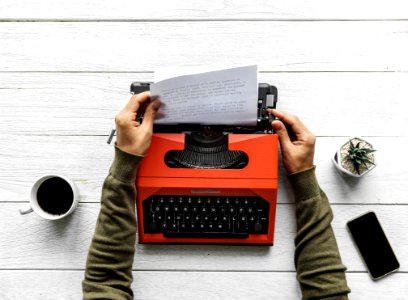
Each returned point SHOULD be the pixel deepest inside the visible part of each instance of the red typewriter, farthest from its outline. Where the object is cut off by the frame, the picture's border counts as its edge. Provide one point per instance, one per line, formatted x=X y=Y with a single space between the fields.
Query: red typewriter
x=210 y=184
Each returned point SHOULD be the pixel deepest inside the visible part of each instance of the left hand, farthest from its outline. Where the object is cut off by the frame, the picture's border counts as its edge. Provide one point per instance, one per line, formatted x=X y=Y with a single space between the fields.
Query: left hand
x=131 y=136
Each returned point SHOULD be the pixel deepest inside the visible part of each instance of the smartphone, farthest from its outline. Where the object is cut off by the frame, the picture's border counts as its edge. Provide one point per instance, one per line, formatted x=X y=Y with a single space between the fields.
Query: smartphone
x=373 y=245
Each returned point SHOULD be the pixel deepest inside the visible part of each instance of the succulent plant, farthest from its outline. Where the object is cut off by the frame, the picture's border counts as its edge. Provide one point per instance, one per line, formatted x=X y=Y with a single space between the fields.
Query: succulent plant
x=358 y=156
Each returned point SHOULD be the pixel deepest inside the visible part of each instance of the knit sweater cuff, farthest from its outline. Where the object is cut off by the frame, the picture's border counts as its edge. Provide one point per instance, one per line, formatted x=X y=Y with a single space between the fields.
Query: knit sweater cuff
x=124 y=165
x=304 y=184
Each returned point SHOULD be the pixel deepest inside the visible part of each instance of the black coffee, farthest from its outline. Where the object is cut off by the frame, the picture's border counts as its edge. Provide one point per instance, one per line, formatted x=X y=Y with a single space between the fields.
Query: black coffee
x=55 y=196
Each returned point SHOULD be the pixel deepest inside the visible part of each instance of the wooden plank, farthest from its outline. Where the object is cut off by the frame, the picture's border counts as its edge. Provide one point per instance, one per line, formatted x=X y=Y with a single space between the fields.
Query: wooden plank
x=155 y=285
x=28 y=242
x=194 y=285
x=200 y=9
x=87 y=159
x=330 y=104
x=142 y=46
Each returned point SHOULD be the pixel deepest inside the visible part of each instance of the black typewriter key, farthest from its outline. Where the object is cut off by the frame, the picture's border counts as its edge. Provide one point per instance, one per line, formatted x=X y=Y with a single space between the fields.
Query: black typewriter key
x=257 y=227
x=169 y=217
x=161 y=200
x=201 y=226
x=204 y=209
x=173 y=227
x=187 y=217
x=197 y=218
x=206 y=218
x=183 y=226
x=159 y=217
x=178 y=216
x=241 y=210
x=176 y=208
x=193 y=226
x=195 y=209
x=215 y=218
x=211 y=226
x=166 y=208
x=208 y=201
x=250 y=209
x=223 y=209
x=218 y=201
x=227 y=201
x=237 y=227
x=186 y=209
x=246 y=202
x=199 y=201
x=232 y=210
x=213 y=210
x=157 y=208
x=164 y=226
x=189 y=200
x=171 y=200
x=236 y=201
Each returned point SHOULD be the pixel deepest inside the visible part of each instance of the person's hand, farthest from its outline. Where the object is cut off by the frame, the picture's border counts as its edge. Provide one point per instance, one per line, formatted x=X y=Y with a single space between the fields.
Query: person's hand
x=297 y=151
x=131 y=136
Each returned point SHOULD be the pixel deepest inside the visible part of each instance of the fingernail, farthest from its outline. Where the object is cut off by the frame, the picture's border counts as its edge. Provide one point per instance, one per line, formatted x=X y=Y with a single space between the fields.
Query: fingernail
x=277 y=125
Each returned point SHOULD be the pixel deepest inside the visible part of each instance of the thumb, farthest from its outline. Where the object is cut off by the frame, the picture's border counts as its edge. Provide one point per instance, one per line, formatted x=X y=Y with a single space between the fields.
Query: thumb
x=281 y=131
x=150 y=113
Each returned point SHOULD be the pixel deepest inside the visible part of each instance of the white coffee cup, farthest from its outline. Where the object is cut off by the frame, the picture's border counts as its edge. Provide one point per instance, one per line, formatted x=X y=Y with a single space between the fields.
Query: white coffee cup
x=53 y=197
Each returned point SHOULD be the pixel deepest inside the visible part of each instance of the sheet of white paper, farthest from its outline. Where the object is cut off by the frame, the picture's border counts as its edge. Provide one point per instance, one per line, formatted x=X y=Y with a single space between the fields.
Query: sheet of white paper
x=162 y=73
x=225 y=97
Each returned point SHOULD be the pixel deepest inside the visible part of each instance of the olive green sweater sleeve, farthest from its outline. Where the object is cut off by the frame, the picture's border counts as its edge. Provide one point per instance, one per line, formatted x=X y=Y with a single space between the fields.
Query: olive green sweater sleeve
x=320 y=272
x=108 y=273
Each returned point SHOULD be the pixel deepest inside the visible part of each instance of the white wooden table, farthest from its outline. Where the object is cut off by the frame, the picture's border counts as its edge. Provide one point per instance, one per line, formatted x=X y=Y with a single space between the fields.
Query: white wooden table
x=65 y=69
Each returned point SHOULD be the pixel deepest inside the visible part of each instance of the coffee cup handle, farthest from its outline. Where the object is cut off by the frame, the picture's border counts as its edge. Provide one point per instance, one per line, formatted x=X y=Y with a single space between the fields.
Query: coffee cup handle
x=26 y=210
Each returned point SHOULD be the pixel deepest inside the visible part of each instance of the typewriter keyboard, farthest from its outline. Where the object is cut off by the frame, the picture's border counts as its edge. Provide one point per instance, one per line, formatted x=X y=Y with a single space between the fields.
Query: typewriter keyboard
x=192 y=216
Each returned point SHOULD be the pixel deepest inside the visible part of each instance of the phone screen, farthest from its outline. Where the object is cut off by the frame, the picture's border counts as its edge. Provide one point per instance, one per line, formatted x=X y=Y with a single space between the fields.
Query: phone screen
x=373 y=245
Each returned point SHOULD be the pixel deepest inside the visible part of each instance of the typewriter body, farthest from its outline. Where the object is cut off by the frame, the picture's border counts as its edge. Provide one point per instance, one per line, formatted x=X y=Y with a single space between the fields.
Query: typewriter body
x=210 y=184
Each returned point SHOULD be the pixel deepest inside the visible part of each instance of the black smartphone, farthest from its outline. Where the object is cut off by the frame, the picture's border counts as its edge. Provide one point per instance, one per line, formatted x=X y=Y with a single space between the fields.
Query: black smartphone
x=373 y=245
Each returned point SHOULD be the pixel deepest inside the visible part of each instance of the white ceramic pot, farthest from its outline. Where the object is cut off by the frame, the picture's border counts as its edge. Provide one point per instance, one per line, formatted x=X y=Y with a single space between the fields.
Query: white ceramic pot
x=338 y=157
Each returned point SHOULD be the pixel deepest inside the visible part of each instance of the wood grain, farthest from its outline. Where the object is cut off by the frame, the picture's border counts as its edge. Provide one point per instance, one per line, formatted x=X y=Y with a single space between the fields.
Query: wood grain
x=86 y=159
x=33 y=243
x=143 y=46
x=200 y=9
x=65 y=72
x=330 y=104
x=151 y=285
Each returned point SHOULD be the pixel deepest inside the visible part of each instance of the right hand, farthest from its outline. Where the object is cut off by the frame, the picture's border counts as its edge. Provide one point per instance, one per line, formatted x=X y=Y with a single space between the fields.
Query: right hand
x=297 y=153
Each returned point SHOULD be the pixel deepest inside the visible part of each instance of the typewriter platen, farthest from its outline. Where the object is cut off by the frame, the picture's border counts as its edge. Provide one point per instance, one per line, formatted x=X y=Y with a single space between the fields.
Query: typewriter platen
x=210 y=184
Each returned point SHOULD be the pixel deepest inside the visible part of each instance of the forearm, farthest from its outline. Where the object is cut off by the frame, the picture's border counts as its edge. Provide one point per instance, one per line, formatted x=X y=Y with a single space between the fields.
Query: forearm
x=320 y=272
x=108 y=271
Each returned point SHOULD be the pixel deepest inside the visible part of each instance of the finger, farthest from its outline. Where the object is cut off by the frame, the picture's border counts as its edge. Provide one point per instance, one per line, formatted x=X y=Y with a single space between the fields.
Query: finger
x=297 y=126
x=136 y=100
x=281 y=131
x=150 y=114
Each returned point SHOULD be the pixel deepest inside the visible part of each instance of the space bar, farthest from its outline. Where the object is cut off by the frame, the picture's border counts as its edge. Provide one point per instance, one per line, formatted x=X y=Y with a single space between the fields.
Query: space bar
x=236 y=235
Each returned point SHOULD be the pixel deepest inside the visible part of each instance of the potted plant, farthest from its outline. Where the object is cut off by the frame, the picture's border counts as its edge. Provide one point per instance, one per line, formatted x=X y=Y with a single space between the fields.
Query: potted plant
x=355 y=158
